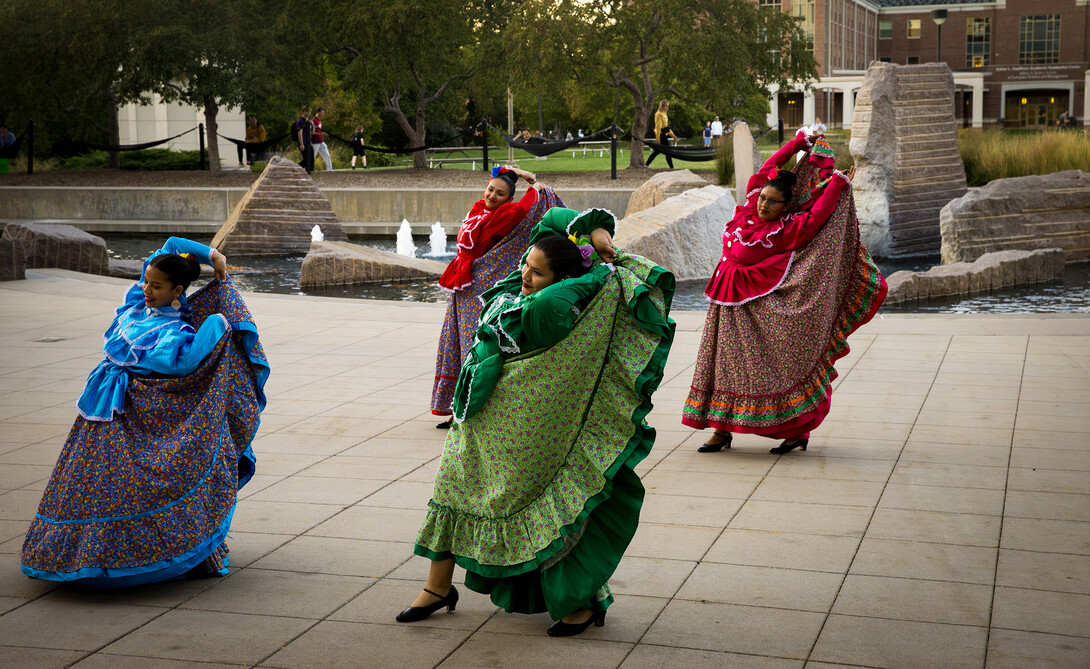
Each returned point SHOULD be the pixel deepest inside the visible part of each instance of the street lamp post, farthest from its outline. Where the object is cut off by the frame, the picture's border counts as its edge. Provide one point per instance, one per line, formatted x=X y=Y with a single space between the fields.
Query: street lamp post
x=939 y=17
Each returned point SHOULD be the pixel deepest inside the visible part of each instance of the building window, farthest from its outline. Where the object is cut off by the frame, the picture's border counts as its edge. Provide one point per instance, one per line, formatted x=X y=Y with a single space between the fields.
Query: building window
x=913 y=60
x=885 y=59
x=885 y=30
x=913 y=29
x=1039 y=39
x=978 y=42
x=770 y=3
x=804 y=9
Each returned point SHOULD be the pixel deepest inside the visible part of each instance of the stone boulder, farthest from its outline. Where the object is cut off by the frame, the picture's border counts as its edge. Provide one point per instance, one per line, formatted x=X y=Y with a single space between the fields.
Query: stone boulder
x=747 y=158
x=127 y=269
x=991 y=271
x=908 y=166
x=12 y=260
x=276 y=215
x=1033 y=212
x=341 y=264
x=661 y=186
x=683 y=234
x=63 y=246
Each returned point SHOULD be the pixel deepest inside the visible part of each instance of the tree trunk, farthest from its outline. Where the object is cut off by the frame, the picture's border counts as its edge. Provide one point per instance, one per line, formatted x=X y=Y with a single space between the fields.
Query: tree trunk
x=211 y=109
x=421 y=131
x=113 y=158
x=415 y=134
x=641 y=116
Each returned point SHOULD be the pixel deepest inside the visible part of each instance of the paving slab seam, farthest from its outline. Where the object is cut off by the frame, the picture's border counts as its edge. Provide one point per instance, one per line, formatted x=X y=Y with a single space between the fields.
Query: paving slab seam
x=1003 y=506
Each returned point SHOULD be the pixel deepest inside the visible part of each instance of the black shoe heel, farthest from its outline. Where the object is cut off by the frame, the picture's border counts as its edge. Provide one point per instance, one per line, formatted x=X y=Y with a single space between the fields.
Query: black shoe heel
x=561 y=628
x=785 y=448
x=416 y=613
x=445 y=425
x=710 y=447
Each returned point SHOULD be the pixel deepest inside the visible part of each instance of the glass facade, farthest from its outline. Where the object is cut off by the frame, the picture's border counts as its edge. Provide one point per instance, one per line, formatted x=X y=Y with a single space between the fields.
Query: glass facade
x=1039 y=39
x=978 y=42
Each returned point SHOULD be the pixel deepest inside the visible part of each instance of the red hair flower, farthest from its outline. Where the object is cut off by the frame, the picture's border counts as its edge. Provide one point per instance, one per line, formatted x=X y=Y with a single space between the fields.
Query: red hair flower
x=773 y=174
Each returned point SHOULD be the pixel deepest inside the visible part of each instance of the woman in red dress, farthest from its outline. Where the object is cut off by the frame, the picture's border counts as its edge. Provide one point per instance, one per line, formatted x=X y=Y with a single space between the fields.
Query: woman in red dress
x=491 y=242
x=793 y=282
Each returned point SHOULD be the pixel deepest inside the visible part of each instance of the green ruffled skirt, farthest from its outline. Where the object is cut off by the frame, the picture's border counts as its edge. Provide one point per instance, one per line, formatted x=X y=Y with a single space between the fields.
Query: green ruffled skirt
x=536 y=495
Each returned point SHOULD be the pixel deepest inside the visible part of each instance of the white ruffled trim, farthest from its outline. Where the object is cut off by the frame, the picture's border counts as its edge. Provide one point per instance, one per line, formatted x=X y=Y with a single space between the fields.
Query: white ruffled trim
x=802 y=134
x=763 y=242
x=790 y=262
x=98 y=419
x=581 y=214
x=844 y=177
x=456 y=288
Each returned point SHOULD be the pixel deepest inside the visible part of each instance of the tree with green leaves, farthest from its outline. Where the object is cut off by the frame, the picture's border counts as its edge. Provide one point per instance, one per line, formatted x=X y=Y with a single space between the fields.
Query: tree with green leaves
x=720 y=54
x=407 y=55
x=216 y=54
x=70 y=74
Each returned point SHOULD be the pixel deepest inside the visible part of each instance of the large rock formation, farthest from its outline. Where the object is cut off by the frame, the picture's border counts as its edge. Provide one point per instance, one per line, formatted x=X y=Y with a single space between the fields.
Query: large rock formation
x=661 y=186
x=12 y=260
x=1032 y=212
x=747 y=158
x=683 y=234
x=991 y=271
x=905 y=146
x=62 y=246
x=342 y=264
x=276 y=215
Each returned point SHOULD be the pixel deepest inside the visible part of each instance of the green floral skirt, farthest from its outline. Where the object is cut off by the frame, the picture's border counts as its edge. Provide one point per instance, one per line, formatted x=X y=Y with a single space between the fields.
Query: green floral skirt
x=536 y=495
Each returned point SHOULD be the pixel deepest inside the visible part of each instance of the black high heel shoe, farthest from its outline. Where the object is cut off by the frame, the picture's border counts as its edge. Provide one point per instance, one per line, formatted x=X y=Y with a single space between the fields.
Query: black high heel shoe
x=787 y=448
x=445 y=425
x=561 y=628
x=710 y=447
x=415 y=613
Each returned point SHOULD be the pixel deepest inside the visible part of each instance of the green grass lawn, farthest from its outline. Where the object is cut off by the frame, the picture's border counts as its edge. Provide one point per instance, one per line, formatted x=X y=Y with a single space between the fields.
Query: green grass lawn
x=562 y=161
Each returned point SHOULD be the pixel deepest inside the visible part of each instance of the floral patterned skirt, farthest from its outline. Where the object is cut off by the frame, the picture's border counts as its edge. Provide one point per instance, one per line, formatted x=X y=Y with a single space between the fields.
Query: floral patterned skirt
x=766 y=367
x=149 y=495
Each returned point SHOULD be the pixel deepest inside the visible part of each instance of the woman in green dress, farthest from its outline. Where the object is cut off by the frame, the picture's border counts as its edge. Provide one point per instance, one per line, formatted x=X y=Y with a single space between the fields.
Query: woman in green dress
x=536 y=495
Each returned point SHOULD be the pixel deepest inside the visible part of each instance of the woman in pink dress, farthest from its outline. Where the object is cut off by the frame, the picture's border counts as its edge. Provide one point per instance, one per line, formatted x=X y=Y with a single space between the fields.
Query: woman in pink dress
x=793 y=282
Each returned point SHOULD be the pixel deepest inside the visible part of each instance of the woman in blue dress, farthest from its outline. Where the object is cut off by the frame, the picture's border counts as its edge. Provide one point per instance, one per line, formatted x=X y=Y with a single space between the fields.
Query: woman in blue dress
x=145 y=486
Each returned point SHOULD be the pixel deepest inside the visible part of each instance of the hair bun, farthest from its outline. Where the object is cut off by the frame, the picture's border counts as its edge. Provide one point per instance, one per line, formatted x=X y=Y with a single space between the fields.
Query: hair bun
x=788 y=178
x=194 y=265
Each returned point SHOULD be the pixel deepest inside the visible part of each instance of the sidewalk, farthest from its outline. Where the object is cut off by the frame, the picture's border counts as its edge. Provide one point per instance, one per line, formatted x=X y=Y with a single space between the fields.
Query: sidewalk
x=940 y=518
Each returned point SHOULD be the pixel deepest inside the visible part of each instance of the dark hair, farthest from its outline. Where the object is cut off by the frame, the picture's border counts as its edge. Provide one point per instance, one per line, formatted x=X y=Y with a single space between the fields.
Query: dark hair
x=510 y=179
x=562 y=255
x=319 y=109
x=785 y=183
x=181 y=270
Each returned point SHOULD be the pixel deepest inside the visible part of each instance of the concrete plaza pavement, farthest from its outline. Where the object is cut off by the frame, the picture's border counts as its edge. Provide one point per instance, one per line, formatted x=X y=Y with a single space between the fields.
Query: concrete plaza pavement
x=940 y=518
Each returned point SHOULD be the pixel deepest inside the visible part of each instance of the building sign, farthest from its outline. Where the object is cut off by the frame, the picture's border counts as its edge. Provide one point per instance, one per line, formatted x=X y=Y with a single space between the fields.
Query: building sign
x=1036 y=72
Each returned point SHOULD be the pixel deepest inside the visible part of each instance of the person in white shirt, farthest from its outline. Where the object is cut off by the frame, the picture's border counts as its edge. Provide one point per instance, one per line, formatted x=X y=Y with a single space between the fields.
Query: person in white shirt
x=818 y=128
x=717 y=131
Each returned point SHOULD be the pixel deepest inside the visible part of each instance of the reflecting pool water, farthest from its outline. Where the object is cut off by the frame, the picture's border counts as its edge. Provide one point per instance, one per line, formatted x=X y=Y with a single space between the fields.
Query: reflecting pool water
x=281 y=275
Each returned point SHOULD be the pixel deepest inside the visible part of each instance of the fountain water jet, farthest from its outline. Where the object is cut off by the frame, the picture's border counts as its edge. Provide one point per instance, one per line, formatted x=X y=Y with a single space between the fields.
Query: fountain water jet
x=438 y=239
x=405 y=245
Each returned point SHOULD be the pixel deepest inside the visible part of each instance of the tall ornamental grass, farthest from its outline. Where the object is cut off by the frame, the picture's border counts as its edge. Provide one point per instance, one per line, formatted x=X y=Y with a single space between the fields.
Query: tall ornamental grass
x=997 y=154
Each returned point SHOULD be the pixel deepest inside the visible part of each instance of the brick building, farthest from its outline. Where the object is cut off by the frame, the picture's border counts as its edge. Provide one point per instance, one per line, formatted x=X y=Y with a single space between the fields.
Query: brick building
x=1016 y=63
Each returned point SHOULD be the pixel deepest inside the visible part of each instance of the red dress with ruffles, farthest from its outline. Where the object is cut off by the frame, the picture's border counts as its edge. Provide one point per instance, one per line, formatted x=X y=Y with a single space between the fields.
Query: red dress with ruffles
x=480 y=231
x=757 y=254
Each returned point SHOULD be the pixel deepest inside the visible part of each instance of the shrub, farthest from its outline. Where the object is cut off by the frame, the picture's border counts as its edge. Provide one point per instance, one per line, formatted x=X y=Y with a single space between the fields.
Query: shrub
x=997 y=154
x=724 y=162
x=145 y=159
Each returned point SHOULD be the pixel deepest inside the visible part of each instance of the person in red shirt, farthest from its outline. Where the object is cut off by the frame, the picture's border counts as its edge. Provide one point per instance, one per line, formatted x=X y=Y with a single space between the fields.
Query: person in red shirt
x=793 y=282
x=318 y=139
x=493 y=237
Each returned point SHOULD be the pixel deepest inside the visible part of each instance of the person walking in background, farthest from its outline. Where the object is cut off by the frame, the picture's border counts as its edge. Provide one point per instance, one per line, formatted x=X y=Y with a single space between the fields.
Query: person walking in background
x=663 y=133
x=7 y=139
x=320 y=148
x=356 y=140
x=717 y=131
x=303 y=135
x=255 y=134
x=707 y=134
